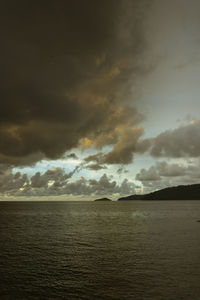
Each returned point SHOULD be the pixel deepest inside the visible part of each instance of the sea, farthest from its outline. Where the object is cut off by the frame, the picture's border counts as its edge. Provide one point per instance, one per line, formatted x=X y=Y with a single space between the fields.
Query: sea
x=100 y=250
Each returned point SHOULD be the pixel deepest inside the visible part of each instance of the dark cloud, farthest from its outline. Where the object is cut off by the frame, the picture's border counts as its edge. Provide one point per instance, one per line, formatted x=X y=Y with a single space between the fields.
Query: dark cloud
x=124 y=149
x=98 y=160
x=57 y=176
x=122 y=170
x=66 y=73
x=72 y=155
x=161 y=169
x=9 y=182
x=95 y=157
x=181 y=142
x=170 y=170
x=150 y=174
x=95 y=167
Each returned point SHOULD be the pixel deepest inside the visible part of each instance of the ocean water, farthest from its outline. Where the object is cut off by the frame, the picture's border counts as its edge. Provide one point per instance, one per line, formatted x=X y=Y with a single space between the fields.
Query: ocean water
x=100 y=250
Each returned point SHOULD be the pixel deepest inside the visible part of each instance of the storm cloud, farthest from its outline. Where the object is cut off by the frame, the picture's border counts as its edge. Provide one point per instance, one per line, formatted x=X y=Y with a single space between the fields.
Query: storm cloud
x=66 y=76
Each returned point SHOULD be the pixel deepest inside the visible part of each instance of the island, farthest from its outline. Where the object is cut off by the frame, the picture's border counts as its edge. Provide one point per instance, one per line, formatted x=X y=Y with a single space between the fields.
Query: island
x=181 y=192
x=103 y=199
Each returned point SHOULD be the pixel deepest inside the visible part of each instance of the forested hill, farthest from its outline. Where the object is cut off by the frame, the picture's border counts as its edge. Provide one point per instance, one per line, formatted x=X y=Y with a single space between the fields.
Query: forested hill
x=181 y=192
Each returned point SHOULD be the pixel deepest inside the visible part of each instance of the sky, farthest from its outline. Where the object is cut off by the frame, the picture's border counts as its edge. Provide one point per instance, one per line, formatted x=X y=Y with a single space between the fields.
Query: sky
x=98 y=98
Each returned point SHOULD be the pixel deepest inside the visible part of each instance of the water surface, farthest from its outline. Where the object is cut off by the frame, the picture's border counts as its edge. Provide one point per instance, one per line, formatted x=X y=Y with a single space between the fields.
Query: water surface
x=100 y=250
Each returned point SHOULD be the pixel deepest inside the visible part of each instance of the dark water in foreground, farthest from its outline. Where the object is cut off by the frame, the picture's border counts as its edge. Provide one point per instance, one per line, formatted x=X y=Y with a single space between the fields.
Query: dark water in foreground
x=129 y=250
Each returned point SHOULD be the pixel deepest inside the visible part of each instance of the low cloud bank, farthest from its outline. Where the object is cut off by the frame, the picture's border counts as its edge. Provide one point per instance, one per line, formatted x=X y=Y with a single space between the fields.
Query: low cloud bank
x=57 y=182
x=164 y=174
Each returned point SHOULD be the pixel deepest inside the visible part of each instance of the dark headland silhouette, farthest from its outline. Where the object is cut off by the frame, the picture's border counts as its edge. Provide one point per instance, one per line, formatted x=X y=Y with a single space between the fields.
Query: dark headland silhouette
x=181 y=192
x=103 y=199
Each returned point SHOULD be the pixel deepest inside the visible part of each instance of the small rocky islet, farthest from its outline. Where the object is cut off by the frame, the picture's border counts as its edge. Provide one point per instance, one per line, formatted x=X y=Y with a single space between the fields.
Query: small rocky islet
x=103 y=199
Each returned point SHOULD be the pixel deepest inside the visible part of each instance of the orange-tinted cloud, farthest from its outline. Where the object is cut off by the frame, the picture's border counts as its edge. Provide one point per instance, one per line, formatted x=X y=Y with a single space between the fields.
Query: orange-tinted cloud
x=66 y=74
